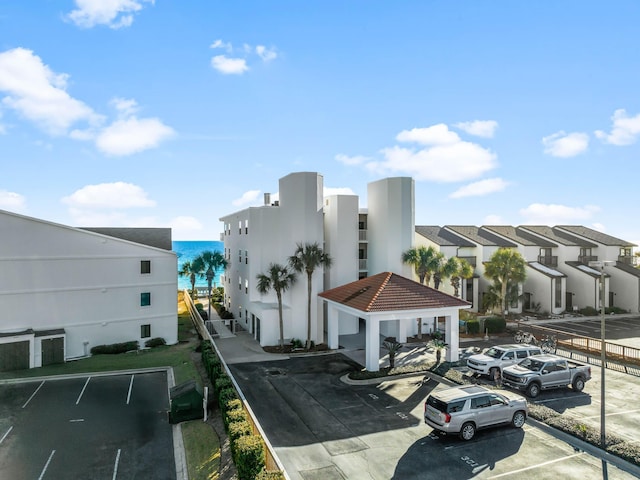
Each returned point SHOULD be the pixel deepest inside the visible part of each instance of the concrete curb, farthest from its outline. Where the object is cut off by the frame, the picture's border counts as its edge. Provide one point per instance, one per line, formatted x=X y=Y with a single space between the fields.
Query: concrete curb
x=9 y=381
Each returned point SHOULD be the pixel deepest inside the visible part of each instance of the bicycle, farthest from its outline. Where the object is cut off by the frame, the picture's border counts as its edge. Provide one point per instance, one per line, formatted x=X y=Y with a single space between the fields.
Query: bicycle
x=549 y=344
x=525 y=337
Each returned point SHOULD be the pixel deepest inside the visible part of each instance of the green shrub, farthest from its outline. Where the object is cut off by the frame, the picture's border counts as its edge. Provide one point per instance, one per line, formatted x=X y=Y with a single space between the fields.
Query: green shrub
x=234 y=416
x=473 y=326
x=199 y=306
x=222 y=382
x=237 y=430
x=495 y=324
x=225 y=396
x=226 y=315
x=589 y=312
x=155 y=342
x=270 y=475
x=249 y=456
x=115 y=348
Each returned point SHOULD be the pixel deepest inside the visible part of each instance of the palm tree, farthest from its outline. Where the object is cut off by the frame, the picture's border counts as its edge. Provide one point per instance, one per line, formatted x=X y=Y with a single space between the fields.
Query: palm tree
x=425 y=262
x=447 y=267
x=307 y=258
x=212 y=261
x=507 y=269
x=464 y=271
x=279 y=279
x=192 y=270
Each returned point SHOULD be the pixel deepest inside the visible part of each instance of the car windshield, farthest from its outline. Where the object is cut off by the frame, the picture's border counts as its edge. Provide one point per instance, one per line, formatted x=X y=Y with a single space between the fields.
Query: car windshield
x=531 y=364
x=494 y=352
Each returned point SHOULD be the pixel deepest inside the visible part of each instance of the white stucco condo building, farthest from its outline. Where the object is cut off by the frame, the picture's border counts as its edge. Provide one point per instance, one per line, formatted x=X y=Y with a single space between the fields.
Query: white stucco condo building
x=64 y=290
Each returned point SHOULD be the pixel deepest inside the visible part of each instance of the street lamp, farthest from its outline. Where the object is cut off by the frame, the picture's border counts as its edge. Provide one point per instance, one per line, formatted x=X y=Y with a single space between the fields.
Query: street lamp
x=603 y=354
x=210 y=276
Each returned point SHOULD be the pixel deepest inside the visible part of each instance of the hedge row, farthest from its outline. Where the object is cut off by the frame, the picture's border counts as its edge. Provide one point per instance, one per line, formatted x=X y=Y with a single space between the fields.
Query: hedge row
x=247 y=449
x=115 y=348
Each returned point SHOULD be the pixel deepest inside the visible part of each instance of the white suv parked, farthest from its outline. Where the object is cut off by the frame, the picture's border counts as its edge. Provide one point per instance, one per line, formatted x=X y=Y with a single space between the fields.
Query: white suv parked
x=493 y=360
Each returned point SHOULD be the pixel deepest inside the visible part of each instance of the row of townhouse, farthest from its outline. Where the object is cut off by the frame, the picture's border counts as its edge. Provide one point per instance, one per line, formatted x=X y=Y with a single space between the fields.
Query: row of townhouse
x=64 y=290
x=367 y=241
x=559 y=276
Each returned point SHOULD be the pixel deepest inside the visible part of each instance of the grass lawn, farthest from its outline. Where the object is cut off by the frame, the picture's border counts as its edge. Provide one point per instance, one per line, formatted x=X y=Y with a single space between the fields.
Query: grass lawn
x=202 y=449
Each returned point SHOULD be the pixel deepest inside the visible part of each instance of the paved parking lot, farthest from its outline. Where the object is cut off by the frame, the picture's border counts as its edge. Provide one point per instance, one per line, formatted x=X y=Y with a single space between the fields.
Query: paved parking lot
x=322 y=428
x=92 y=427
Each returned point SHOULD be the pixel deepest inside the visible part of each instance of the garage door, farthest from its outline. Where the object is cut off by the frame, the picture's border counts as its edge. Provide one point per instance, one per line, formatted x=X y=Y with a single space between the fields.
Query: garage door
x=52 y=351
x=14 y=356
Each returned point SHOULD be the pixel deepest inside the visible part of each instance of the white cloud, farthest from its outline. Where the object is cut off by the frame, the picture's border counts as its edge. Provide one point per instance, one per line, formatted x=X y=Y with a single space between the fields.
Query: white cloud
x=356 y=160
x=220 y=44
x=479 y=128
x=113 y=13
x=38 y=94
x=328 y=191
x=117 y=195
x=625 y=130
x=12 y=201
x=266 y=54
x=435 y=135
x=126 y=107
x=186 y=228
x=483 y=187
x=248 y=198
x=132 y=135
x=229 y=66
x=551 y=214
x=562 y=144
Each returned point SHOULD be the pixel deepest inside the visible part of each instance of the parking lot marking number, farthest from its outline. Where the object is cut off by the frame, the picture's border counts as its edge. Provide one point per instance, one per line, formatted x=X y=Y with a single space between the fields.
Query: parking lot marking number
x=469 y=461
x=83 y=389
x=33 y=394
x=46 y=465
x=6 y=435
x=374 y=396
x=402 y=415
x=130 y=387
x=115 y=467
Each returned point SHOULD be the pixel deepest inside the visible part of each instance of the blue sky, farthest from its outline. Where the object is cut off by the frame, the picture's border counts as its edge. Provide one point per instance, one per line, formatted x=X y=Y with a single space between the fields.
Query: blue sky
x=173 y=113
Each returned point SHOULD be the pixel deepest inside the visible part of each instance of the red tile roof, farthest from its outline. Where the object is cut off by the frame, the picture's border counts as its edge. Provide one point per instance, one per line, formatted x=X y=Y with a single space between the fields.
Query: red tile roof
x=388 y=291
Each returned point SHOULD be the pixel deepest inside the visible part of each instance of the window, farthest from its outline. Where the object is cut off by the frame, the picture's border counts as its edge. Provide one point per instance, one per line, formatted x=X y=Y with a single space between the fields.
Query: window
x=496 y=399
x=145 y=267
x=246 y=285
x=145 y=299
x=521 y=354
x=246 y=226
x=480 y=402
x=240 y=227
x=558 y=302
x=246 y=257
x=145 y=331
x=509 y=356
x=240 y=256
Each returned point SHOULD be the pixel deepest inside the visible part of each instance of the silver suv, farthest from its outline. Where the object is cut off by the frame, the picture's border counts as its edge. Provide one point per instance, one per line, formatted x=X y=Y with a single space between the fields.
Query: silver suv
x=493 y=360
x=463 y=410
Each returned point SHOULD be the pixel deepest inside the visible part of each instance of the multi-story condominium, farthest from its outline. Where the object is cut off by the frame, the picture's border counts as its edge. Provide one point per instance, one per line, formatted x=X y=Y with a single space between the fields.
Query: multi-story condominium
x=64 y=290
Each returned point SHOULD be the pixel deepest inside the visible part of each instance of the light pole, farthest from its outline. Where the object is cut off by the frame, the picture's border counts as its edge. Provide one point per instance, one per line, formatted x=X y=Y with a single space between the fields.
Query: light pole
x=603 y=355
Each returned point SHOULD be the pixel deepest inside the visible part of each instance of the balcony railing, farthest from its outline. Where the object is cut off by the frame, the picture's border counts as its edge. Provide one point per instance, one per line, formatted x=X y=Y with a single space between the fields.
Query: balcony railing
x=626 y=259
x=548 y=260
x=362 y=264
x=587 y=258
x=362 y=235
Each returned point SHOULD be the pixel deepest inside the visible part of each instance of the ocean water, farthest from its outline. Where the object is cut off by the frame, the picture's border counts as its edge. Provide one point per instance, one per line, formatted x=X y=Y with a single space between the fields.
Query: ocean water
x=187 y=251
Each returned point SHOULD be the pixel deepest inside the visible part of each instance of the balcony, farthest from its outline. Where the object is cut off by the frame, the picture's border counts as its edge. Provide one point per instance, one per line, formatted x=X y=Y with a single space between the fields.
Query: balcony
x=587 y=258
x=362 y=264
x=362 y=235
x=626 y=259
x=548 y=260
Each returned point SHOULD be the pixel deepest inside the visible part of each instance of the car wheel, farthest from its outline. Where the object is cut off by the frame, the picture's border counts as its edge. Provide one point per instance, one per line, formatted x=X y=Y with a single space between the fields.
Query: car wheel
x=518 y=419
x=578 y=384
x=533 y=390
x=468 y=431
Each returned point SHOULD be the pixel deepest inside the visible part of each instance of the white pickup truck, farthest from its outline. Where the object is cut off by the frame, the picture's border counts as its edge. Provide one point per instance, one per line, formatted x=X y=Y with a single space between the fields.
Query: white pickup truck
x=541 y=372
x=493 y=360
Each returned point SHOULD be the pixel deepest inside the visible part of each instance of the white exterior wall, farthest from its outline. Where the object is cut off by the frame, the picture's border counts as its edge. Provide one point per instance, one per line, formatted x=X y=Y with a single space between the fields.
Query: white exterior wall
x=627 y=290
x=273 y=233
x=59 y=277
x=391 y=224
x=341 y=237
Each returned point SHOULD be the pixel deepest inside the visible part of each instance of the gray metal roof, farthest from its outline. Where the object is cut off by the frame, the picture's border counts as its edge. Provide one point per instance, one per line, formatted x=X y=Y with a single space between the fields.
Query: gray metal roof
x=475 y=234
x=548 y=271
x=557 y=236
x=630 y=269
x=518 y=236
x=153 y=237
x=442 y=237
x=596 y=236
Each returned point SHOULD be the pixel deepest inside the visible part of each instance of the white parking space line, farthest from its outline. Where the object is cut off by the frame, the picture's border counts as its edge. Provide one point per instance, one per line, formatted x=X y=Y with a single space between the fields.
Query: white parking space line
x=115 y=467
x=537 y=466
x=83 y=389
x=76 y=420
x=46 y=465
x=33 y=394
x=130 y=387
x=612 y=414
x=5 y=435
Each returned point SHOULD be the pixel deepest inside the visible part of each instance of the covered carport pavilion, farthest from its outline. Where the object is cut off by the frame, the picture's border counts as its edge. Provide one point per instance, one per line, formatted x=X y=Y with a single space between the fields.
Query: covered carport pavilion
x=389 y=297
